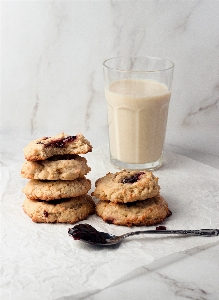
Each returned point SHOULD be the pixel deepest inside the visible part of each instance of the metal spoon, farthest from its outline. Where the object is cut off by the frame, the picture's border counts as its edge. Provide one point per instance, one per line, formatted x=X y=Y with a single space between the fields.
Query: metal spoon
x=107 y=239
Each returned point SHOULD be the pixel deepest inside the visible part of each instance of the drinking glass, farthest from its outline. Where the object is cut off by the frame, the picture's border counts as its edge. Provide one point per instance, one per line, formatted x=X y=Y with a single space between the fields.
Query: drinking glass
x=137 y=91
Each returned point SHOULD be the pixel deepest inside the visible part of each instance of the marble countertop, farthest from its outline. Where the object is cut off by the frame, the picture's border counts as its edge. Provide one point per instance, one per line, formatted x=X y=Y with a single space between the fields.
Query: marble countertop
x=190 y=274
x=52 y=82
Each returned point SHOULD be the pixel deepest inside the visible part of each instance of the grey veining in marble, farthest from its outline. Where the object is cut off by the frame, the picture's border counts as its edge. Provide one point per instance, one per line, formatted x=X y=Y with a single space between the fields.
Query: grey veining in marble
x=52 y=54
x=52 y=81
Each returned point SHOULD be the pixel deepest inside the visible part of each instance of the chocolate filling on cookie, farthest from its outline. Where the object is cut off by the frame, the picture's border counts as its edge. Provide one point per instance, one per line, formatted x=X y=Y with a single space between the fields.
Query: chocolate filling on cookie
x=58 y=143
x=109 y=220
x=46 y=214
x=133 y=178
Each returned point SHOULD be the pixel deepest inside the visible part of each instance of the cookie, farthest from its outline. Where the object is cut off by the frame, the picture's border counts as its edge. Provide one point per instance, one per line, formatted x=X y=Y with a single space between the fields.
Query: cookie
x=60 y=144
x=140 y=213
x=50 y=190
x=126 y=186
x=66 y=211
x=60 y=167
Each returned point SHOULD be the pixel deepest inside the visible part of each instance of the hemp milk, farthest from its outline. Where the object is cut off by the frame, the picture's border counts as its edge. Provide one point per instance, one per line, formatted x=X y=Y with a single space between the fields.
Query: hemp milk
x=137 y=118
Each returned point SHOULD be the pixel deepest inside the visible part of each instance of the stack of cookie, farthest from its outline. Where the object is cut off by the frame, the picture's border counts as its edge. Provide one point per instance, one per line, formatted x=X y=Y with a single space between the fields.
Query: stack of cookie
x=57 y=190
x=130 y=198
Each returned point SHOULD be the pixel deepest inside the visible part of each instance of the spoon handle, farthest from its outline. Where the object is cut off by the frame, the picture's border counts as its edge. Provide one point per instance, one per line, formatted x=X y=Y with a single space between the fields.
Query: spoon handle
x=204 y=232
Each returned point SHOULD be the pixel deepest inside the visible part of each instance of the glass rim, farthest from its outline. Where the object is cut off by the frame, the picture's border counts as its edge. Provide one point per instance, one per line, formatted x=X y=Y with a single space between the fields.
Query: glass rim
x=137 y=57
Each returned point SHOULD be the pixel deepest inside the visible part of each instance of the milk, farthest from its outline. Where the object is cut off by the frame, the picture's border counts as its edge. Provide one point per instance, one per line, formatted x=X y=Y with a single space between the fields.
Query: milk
x=137 y=118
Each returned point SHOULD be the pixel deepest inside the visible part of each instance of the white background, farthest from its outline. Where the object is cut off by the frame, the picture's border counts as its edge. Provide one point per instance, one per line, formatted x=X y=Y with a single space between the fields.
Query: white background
x=52 y=54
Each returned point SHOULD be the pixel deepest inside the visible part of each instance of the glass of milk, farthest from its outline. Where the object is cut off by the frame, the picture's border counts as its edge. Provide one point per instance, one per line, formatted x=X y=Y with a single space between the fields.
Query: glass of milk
x=137 y=92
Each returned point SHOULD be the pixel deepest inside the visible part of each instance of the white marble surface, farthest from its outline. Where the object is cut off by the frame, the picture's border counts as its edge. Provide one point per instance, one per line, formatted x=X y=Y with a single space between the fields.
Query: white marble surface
x=188 y=273
x=52 y=54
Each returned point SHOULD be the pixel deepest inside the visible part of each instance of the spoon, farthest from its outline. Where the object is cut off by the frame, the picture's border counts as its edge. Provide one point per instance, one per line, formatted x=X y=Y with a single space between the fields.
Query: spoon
x=88 y=234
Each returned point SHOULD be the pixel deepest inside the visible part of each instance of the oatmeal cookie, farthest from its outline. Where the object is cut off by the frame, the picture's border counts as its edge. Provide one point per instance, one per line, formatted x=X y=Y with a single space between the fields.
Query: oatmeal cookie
x=140 y=213
x=60 y=144
x=126 y=186
x=66 y=211
x=60 y=167
x=51 y=190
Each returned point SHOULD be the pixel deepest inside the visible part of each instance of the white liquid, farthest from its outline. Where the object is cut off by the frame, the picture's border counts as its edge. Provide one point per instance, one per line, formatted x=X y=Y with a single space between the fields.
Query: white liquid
x=137 y=118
